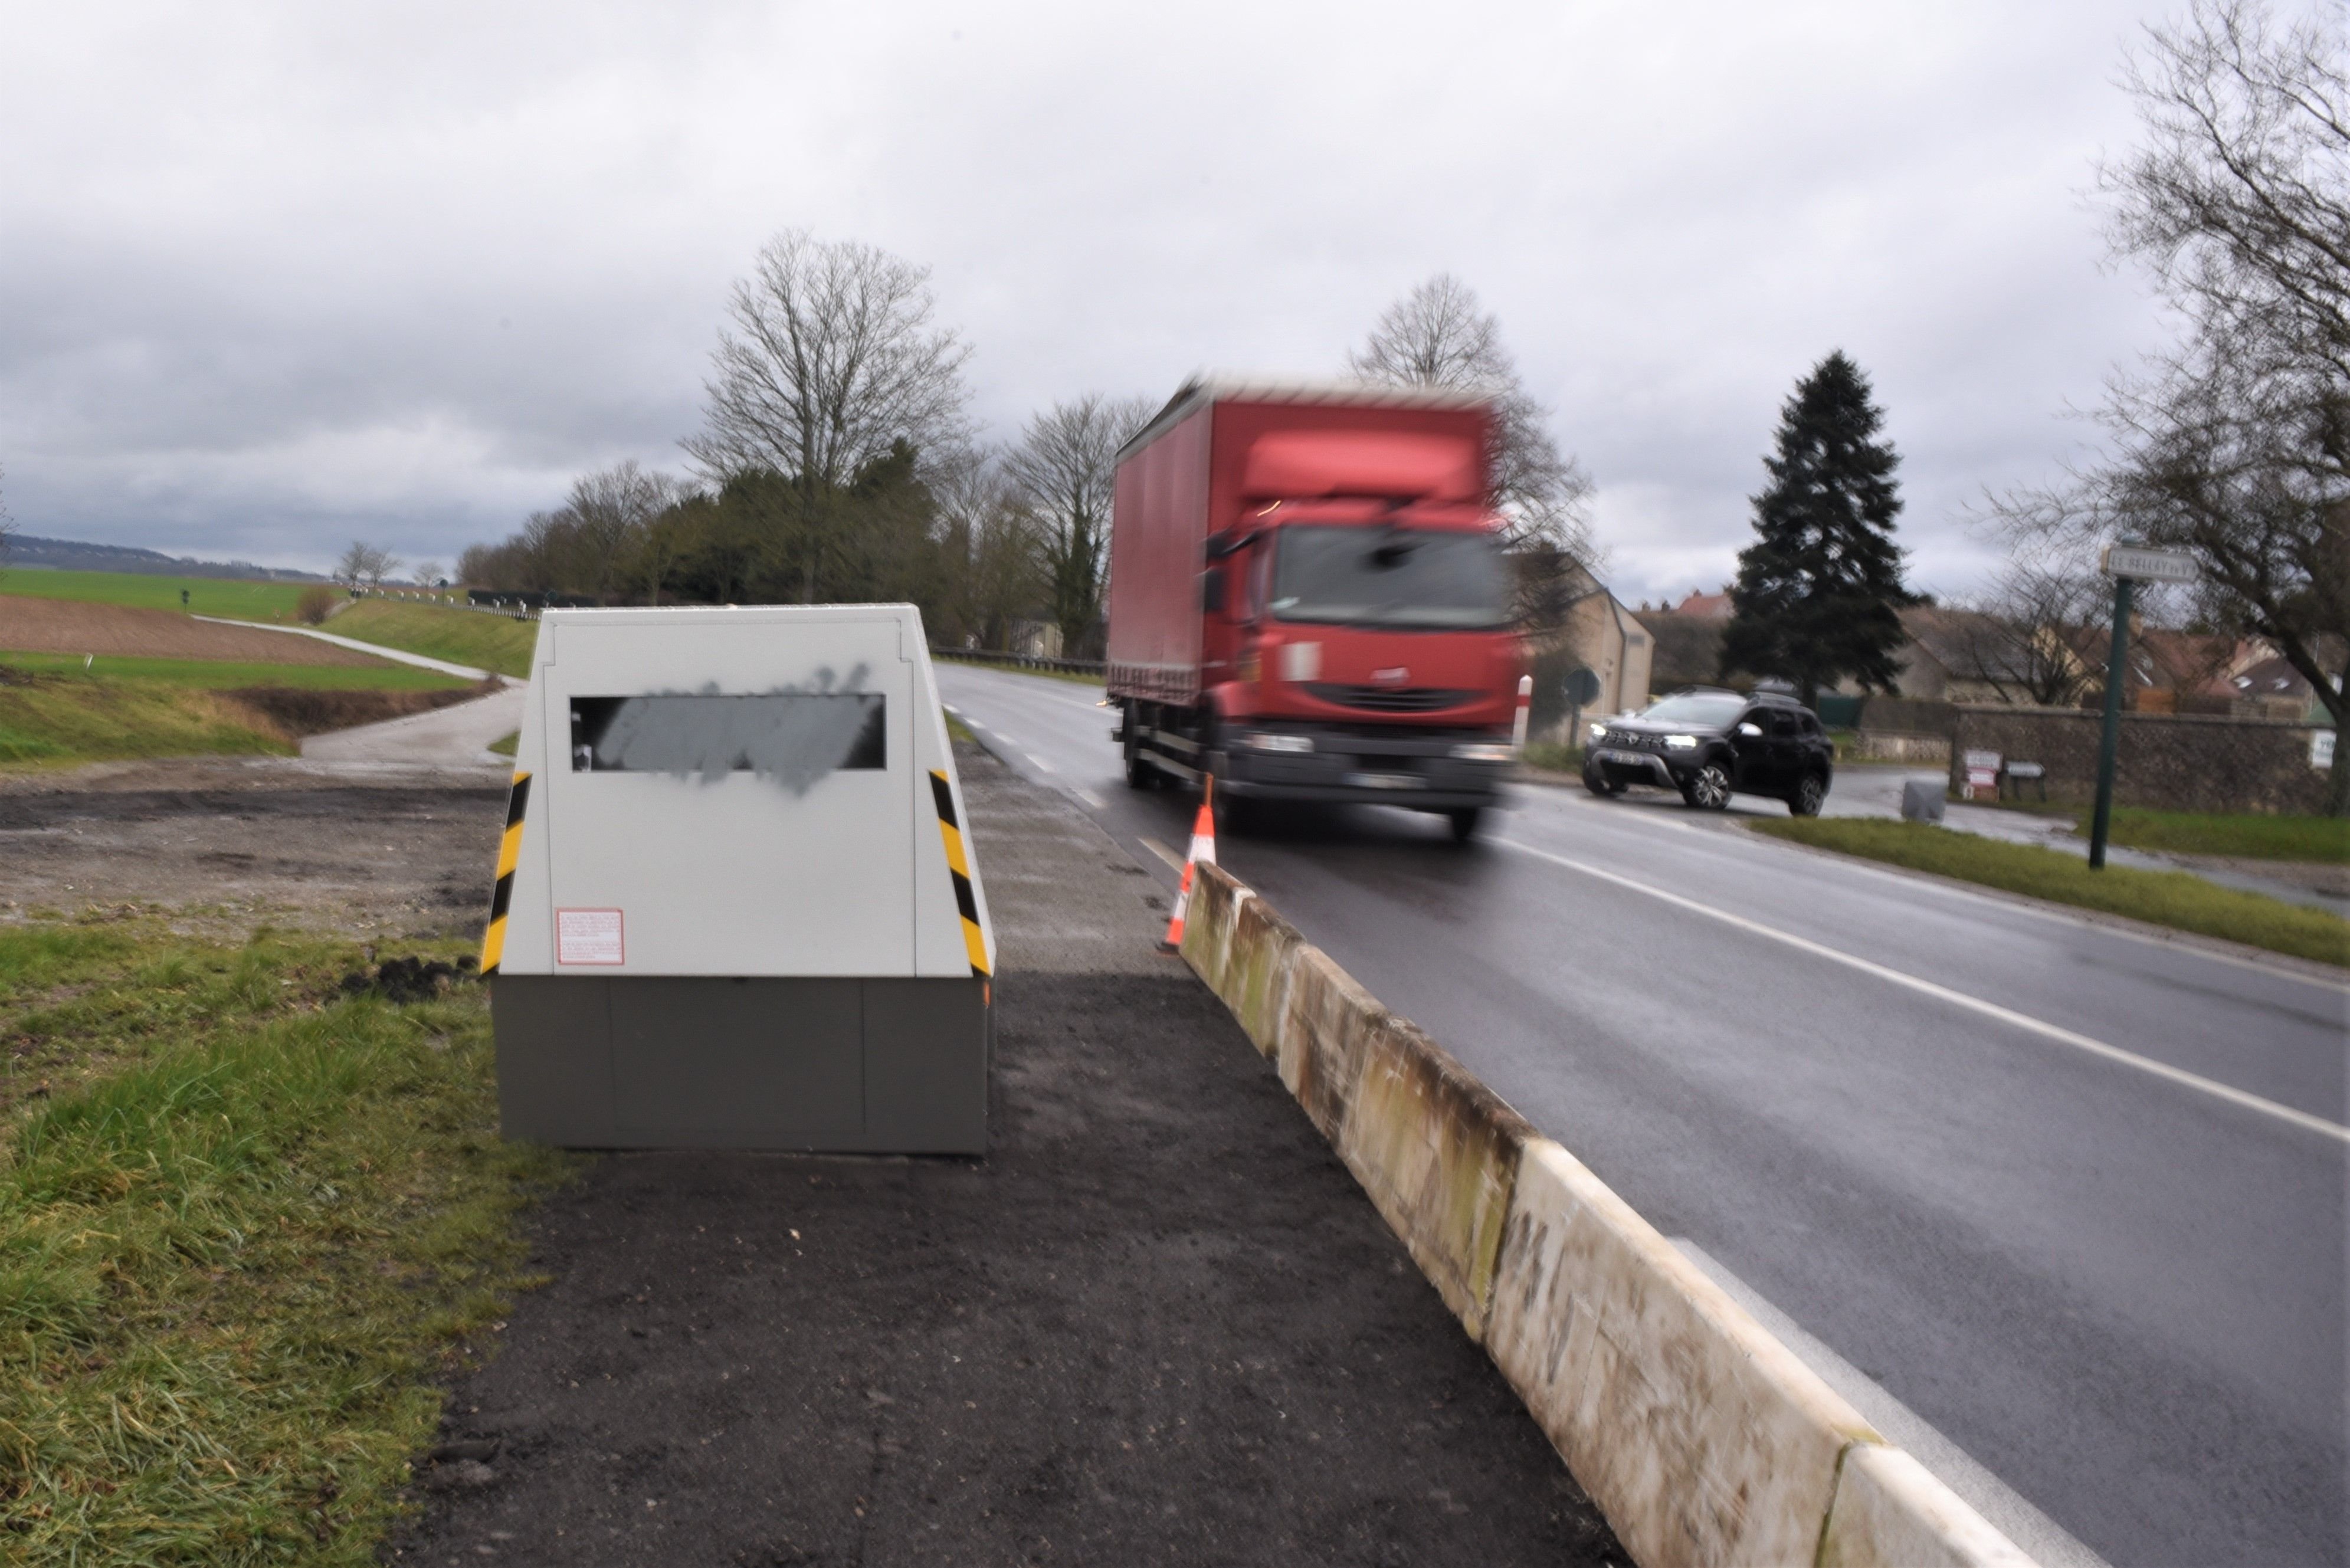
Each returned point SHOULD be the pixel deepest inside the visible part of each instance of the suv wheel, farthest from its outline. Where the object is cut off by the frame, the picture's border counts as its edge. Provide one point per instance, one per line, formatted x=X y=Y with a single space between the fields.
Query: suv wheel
x=1600 y=784
x=1708 y=789
x=1809 y=796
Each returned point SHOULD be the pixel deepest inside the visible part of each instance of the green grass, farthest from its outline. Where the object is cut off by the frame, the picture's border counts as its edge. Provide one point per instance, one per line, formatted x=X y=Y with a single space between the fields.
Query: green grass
x=2173 y=898
x=2307 y=838
x=1554 y=758
x=222 y=675
x=234 y=1257
x=55 y=720
x=505 y=745
x=492 y=642
x=206 y=596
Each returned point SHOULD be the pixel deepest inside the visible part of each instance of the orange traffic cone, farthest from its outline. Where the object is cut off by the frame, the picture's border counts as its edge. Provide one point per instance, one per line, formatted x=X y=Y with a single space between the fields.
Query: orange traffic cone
x=1202 y=853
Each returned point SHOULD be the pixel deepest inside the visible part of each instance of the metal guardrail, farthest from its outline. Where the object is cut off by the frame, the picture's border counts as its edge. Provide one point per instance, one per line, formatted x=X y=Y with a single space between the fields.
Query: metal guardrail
x=1020 y=660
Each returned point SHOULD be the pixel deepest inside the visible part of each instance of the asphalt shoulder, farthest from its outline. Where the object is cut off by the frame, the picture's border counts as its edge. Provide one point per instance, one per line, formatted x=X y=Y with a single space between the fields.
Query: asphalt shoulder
x=1158 y=1323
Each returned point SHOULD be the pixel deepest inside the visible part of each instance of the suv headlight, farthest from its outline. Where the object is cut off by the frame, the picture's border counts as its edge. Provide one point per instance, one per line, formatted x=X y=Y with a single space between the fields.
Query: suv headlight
x=1268 y=741
x=1680 y=742
x=1598 y=732
x=1484 y=752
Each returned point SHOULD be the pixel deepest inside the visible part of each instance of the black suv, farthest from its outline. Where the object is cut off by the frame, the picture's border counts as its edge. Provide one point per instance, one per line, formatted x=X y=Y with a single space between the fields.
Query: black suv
x=1706 y=743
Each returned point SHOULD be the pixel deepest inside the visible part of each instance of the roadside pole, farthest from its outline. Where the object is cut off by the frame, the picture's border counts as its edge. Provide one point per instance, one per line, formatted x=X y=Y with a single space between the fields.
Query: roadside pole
x=2126 y=563
x=2109 y=745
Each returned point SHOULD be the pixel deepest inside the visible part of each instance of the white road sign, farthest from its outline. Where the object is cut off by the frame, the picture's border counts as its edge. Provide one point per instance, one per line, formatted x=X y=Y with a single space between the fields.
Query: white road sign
x=2148 y=566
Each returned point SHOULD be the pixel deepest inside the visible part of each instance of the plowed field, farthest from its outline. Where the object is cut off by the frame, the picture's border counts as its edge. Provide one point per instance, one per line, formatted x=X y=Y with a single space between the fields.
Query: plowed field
x=65 y=626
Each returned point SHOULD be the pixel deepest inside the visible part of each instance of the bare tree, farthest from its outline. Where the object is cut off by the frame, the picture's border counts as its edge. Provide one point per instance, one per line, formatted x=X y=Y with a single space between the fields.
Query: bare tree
x=7 y=525
x=1439 y=335
x=829 y=358
x=429 y=574
x=992 y=544
x=365 y=565
x=2236 y=445
x=1063 y=470
x=608 y=513
x=2031 y=636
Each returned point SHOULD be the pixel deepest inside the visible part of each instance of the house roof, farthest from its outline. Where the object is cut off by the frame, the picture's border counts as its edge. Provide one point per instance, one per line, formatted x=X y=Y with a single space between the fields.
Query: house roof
x=1968 y=644
x=1704 y=606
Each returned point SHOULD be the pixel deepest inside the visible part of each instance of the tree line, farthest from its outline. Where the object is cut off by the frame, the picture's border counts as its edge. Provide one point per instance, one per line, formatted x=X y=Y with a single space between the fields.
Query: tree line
x=836 y=464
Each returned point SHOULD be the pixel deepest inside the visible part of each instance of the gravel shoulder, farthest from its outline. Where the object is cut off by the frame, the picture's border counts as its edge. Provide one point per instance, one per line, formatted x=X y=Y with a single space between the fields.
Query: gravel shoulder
x=1158 y=1323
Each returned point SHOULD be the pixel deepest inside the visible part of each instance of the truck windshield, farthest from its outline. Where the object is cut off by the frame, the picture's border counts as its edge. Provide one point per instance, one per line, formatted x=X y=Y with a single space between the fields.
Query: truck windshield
x=1360 y=575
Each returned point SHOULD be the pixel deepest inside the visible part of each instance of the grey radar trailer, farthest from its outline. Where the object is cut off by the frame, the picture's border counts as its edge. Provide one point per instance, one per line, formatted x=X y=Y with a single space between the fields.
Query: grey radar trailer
x=736 y=906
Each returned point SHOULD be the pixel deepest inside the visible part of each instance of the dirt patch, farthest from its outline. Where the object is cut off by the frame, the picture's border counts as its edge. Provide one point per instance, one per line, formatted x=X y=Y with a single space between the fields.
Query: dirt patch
x=233 y=843
x=30 y=625
x=294 y=711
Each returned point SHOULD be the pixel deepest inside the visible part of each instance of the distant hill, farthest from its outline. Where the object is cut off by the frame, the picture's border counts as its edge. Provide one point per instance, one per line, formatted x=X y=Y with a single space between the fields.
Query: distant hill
x=30 y=551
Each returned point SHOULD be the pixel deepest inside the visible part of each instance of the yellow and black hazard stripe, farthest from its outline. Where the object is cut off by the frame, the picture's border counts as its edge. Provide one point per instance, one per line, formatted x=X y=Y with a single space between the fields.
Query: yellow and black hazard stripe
x=974 y=941
x=493 y=940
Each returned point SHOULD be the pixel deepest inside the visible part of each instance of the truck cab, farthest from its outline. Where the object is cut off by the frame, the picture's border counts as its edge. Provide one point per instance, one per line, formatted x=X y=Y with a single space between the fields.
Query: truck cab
x=1355 y=636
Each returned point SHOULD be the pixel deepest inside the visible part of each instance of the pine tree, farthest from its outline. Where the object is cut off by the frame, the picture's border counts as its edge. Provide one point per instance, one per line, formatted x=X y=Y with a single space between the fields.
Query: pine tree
x=1818 y=590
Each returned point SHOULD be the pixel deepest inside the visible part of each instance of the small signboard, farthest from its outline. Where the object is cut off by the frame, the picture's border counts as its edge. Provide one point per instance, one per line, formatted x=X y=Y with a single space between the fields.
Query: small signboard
x=2148 y=566
x=1982 y=776
x=2321 y=748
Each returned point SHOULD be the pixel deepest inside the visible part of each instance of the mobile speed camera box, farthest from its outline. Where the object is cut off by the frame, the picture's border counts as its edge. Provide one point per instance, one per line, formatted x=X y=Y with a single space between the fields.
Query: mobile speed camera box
x=736 y=905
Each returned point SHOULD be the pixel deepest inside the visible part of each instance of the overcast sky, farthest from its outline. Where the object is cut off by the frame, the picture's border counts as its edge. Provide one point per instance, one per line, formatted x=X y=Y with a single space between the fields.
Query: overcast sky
x=279 y=276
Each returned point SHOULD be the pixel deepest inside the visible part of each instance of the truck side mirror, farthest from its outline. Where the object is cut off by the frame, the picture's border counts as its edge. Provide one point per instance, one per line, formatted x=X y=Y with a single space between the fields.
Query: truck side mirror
x=1212 y=591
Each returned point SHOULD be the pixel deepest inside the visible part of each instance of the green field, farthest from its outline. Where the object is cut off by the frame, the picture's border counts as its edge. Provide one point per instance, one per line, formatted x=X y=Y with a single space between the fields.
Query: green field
x=248 y=1225
x=492 y=642
x=2175 y=898
x=53 y=721
x=220 y=675
x=224 y=596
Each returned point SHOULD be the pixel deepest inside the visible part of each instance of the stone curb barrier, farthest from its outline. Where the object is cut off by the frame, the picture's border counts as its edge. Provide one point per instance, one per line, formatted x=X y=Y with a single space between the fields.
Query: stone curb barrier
x=1702 y=1438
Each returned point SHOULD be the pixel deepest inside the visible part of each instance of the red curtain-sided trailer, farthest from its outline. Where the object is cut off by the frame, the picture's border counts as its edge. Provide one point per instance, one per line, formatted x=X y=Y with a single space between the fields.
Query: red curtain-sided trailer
x=1308 y=600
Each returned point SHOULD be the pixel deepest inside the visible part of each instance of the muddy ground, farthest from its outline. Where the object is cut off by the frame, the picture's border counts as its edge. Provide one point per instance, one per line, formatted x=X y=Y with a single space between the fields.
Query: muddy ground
x=232 y=843
x=29 y=624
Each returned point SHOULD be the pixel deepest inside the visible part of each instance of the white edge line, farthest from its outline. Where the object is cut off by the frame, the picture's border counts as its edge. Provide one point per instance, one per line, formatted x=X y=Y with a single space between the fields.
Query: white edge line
x=1174 y=861
x=2113 y=925
x=1959 y=998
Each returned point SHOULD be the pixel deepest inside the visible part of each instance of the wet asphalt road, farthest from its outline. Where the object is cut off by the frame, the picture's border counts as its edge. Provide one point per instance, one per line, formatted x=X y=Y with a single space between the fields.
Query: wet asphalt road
x=1879 y=1101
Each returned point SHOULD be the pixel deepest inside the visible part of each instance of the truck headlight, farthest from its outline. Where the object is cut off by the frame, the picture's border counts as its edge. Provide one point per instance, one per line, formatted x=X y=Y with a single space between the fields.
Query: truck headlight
x=1267 y=740
x=1680 y=742
x=1484 y=752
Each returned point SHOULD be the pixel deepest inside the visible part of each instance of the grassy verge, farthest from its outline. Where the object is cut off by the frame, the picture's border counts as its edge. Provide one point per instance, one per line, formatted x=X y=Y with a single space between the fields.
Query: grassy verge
x=2307 y=838
x=2173 y=898
x=505 y=745
x=206 y=596
x=1554 y=758
x=234 y=1257
x=58 y=720
x=222 y=675
x=462 y=636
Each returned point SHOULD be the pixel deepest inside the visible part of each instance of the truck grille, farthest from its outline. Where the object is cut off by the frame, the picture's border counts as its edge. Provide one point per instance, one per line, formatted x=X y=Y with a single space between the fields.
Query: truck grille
x=1390 y=698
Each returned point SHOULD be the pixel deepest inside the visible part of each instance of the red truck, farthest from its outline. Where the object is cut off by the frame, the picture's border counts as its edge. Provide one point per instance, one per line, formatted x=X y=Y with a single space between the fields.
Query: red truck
x=1308 y=599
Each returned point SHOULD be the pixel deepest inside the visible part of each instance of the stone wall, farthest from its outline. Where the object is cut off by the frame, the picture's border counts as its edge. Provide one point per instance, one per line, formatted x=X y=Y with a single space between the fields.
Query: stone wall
x=2165 y=761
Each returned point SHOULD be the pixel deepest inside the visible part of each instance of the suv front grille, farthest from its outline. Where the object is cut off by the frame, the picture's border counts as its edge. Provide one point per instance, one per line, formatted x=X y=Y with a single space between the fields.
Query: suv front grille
x=1390 y=698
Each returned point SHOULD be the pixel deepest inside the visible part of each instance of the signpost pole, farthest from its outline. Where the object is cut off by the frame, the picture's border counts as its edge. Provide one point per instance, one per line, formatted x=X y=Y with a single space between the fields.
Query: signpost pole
x=2116 y=672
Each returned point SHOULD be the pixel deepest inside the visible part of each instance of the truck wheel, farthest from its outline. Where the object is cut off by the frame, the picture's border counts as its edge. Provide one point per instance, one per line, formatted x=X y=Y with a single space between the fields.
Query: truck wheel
x=1708 y=789
x=1465 y=820
x=1140 y=775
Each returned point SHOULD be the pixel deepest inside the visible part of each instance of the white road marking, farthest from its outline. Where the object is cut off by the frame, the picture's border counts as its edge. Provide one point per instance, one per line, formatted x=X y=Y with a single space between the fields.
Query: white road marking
x=2020 y=904
x=2212 y=1086
x=1089 y=797
x=1174 y=861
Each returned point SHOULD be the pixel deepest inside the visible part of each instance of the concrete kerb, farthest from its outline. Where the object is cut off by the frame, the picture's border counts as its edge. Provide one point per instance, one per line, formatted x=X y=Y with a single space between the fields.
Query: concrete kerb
x=1701 y=1437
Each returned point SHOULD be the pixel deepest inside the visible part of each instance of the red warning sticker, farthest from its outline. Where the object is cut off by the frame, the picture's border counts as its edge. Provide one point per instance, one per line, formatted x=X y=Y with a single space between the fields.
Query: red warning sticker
x=590 y=936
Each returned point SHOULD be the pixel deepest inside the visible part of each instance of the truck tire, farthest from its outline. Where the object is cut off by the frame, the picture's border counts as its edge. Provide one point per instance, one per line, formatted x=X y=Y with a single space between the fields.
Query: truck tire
x=1140 y=774
x=1465 y=821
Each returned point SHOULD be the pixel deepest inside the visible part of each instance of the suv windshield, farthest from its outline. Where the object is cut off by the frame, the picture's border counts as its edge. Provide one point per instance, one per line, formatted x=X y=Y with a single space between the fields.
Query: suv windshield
x=1706 y=710
x=1368 y=576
